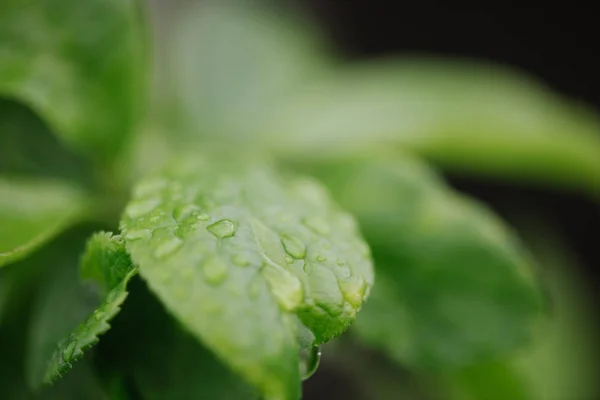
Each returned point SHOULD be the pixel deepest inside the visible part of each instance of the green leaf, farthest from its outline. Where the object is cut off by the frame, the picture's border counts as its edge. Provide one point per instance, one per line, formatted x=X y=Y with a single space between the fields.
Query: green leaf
x=454 y=285
x=107 y=251
x=561 y=361
x=33 y=211
x=470 y=117
x=80 y=65
x=28 y=147
x=235 y=56
x=237 y=251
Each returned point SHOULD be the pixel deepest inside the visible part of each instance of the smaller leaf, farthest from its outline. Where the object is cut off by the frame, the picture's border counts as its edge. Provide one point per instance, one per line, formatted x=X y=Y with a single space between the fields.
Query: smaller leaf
x=110 y=253
x=33 y=211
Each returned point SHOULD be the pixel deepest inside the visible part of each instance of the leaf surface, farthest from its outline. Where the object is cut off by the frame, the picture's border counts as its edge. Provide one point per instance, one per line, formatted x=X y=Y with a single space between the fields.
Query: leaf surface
x=238 y=253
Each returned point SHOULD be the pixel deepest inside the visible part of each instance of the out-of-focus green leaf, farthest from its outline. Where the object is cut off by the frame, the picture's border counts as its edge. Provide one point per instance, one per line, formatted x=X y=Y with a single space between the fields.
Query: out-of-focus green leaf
x=237 y=251
x=59 y=305
x=229 y=63
x=561 y=361
x=106 y=252
x=33 y=211
x=78 y=64
x=453 y=284
x=27 y=147
x=470 y=117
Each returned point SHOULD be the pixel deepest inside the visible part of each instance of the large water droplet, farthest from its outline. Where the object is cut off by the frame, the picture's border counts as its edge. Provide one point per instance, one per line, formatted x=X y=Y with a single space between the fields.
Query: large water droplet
x=182 y=212
x=285 y=286
x=293 y=246
x=222 y=229
x=167 y=247
x=317 y=225
x=215 y=270
x=309 y=361
x=353 y=290
x=142 y=207
x=137 y=234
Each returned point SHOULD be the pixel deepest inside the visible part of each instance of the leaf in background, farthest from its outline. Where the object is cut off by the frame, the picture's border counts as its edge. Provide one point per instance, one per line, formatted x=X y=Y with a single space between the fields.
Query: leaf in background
x=453 y=285
x=469 y=117
x=28 y=147
x=561 y=361
x=102 y=251
x=235 y=252
x=231 y=62
x=33 y=211
x=79 y=65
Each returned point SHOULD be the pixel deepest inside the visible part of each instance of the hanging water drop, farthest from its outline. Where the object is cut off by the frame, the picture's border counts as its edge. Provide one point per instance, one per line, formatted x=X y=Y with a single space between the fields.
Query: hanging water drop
x=309 y=361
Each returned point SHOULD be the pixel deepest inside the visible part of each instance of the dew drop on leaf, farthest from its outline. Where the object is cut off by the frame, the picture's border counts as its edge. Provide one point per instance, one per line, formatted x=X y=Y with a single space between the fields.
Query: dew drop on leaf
x=285 y=286
x=215 y=270
x=293 y=246
x=309 y=361
x=167 y=247
x=138 y=234
x=354 y=290
x=222 y=229
x=321 y=258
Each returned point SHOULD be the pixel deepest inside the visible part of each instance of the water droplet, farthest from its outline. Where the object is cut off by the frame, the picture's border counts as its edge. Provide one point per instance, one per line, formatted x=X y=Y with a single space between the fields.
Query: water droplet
x=182 y=212
x=240 y=260
x=353 y=290
x=341 y=262
x=222 y=229
x=136 y=234
x=167 y=247
x=203 y=217
x=142 y=207
x=288 y=259
x=68 y=351
x=293 y=246
x=309 y=361
x=285 y=286
x=317 y=225
x=321 y=258
x=215 y=270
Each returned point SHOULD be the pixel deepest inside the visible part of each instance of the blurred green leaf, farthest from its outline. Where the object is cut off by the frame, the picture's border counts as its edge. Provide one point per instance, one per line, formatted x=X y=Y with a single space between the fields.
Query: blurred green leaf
x=236 y=251
x=28 y=147
x=33 y=211
x=470 y=117
x=60 y=303
x=229 y=63
x=453 y=285
x=79 y=64
x=102 y=251
x=561 y=361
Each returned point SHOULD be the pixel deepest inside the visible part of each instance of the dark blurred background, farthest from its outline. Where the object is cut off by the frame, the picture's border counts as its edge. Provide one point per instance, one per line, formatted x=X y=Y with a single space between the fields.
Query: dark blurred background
x=556 y=43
